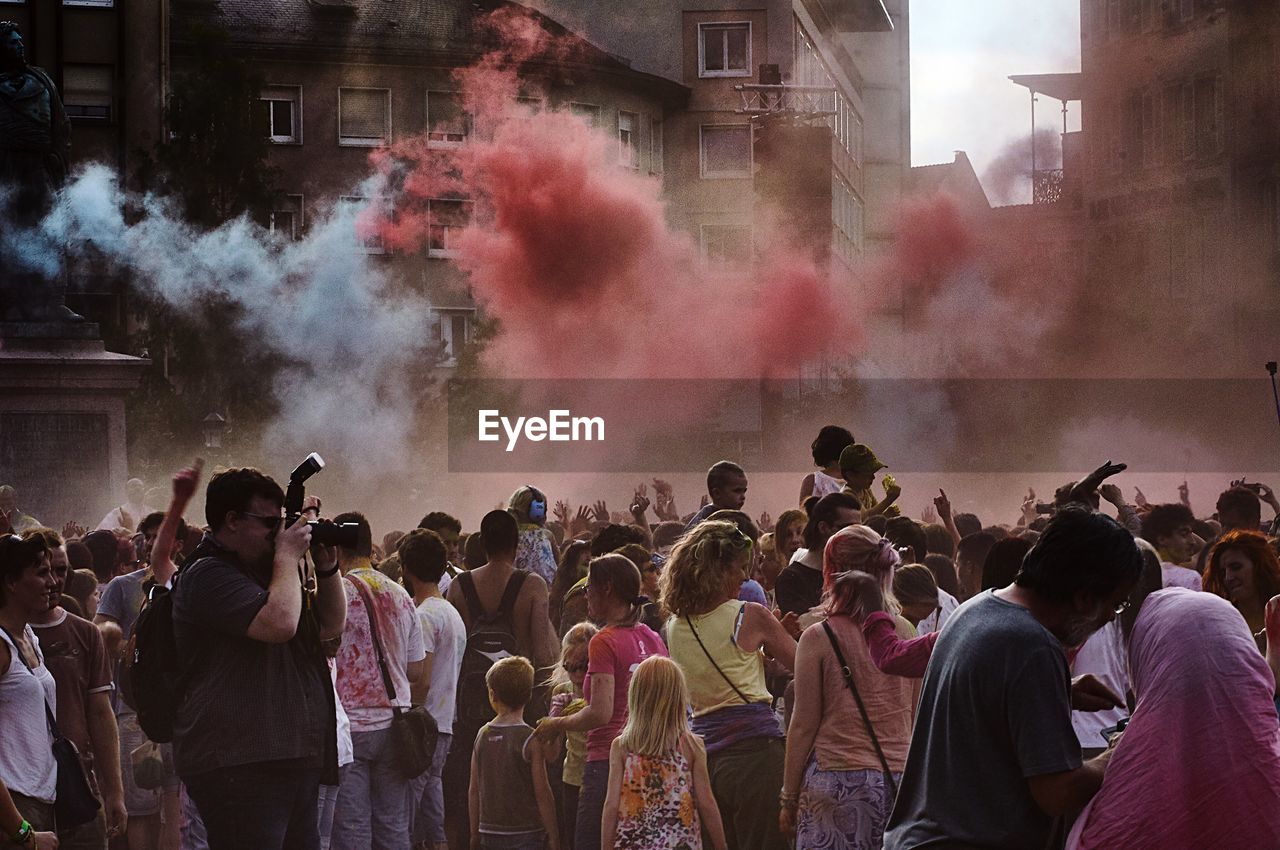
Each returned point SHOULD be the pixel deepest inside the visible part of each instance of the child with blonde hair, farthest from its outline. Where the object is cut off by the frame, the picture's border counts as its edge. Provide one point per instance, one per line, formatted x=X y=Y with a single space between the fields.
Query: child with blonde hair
x=567 y=699
x=511 y=804
x=659 y=792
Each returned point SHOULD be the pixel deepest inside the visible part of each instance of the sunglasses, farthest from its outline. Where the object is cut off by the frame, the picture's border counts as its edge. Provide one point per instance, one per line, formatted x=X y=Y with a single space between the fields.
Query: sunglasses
x=270 y=521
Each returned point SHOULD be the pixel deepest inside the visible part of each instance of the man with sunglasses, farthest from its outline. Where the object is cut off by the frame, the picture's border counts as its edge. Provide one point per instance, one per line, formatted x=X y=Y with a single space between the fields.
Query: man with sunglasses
x=255 y=732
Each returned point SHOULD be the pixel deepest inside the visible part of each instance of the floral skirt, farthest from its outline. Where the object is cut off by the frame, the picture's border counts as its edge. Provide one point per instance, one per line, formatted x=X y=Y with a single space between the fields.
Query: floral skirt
x=842 y=809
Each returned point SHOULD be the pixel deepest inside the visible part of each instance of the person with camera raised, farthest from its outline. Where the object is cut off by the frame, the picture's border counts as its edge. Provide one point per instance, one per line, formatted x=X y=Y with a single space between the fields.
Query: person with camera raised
x=255 y=729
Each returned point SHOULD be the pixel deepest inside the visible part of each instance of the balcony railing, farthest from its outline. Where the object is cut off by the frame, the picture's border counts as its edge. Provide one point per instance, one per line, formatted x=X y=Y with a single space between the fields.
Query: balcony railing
x=1046 y=186
x=787 y=101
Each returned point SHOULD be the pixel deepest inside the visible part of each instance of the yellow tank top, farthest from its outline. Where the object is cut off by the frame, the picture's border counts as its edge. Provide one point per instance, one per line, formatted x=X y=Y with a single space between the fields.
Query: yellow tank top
x=718 y=630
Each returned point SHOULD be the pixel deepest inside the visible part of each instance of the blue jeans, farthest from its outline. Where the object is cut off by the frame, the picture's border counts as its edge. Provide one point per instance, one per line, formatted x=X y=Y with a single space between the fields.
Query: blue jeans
x=258 y=806
x=373 y=806
x=328 y=804
x=519 y=841
x=428 y=797
x=595 y=782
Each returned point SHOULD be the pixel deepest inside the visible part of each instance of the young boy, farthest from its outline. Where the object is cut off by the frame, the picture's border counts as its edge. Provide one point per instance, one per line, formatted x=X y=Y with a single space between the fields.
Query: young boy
x=510 y=796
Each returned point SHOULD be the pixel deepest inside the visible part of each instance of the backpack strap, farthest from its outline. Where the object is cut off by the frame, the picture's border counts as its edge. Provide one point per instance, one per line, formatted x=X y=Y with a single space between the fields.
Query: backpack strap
x=474 y=606
x=507 y=605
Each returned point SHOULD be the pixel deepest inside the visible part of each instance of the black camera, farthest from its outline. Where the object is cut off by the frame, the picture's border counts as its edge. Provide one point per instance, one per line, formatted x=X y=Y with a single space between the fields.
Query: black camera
x=323 y=531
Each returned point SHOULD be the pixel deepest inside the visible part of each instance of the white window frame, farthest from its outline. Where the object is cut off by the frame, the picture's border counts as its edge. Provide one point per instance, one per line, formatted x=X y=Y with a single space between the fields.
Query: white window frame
x=702 y=49
x=296 y=138
x=445 y=253
x=444 y=322
x=705 y=174
x=446 y=143
x=364 y=141
x=629 y=153
x=299 y=214
x=730 y=267
x=656 y=152
x=368 y=247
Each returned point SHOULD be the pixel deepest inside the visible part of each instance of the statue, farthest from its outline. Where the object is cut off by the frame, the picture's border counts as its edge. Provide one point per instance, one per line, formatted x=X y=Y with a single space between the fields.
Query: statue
x=35 y=141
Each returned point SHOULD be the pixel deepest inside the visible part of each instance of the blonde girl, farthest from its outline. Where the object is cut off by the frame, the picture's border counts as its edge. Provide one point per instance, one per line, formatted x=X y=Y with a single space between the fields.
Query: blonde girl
x=659 y=792
x=567 y=699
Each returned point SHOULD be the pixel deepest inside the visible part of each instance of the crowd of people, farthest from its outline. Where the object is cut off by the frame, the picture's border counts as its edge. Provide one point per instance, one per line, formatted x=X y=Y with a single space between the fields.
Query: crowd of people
x=843 y=677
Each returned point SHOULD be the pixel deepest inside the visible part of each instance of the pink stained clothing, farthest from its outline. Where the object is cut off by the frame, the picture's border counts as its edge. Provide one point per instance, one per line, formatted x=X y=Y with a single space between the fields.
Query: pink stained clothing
x=1176 y=576
x=1199 y=764
x=893 y=654
x=616 y=651
x=360 y=685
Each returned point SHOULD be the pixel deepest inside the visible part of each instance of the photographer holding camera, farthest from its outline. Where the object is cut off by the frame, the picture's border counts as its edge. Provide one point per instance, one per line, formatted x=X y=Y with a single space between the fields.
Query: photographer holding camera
x=255 y=729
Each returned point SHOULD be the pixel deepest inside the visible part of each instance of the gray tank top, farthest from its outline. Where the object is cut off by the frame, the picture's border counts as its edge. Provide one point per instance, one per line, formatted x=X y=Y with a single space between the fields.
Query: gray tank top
x=507 y=804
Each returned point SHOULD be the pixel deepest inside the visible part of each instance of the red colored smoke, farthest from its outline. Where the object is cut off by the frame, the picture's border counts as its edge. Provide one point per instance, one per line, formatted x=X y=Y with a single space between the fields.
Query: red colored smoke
x=573 y=255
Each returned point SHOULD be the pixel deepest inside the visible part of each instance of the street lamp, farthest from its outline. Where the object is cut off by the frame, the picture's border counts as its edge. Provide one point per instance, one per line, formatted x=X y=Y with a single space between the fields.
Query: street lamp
x=214 y=426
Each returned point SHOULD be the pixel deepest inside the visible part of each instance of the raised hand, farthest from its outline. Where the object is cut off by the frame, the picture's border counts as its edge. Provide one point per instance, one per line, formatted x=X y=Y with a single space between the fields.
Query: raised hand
x=766 y=522
x=1140 y=498
x=600 y=511
x=186 y=481
x=73 y=529
x=1267 y=495
x=640 y=501
x=561 y=513
x=1112 y=494
x=943 y=504
x=1184 y=494
x=1029 y=507
x=929 y=515
x=581 y=521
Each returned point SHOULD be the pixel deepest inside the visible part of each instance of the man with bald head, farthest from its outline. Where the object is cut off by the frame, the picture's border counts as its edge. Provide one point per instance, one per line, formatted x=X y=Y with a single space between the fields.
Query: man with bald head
x=132 y=511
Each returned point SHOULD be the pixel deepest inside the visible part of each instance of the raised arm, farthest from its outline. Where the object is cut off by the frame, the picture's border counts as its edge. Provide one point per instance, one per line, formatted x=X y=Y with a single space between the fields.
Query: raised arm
x=891 y=653
x=184 y=487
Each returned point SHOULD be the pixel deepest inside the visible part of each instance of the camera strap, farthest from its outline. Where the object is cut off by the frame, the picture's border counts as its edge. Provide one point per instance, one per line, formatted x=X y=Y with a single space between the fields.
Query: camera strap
x=363 y=590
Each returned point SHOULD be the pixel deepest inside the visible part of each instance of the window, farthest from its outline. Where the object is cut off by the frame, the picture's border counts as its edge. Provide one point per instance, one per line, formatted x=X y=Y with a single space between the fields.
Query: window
x=286 y=218
x=86 y=91
x=655 y=147
x=447 y=218
x=726 y=150
x=280 y=114
x=726 y=247
x=531 y=103
x=846 y=220
x=587 y=112
x=724 y=50
x=454 y=331
x=354 y=206
x=447 y=124
x=628 y=141
x=812 y=70
x=364 y=117
x=101 y=4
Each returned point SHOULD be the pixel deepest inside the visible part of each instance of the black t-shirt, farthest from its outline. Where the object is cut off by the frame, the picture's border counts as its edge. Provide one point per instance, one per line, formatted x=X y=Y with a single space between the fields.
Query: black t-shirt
x=246 y=701
x=995 y=709
x=798 y=588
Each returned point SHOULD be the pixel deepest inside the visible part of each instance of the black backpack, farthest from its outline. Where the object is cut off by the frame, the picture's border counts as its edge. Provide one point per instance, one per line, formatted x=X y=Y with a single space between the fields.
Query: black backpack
x=157 y=674
x=490 y=639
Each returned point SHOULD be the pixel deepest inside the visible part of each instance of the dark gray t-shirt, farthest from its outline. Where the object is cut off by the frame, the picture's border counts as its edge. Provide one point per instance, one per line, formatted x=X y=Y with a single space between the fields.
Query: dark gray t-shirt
x=995 y=709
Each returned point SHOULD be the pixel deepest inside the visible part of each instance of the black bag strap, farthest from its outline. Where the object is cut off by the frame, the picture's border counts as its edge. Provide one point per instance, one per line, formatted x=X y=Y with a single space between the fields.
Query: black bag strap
x=48 y=712
x=474 y=606
x=507 y=605
x=363 y=590
x=862 y=709
x=740 y=694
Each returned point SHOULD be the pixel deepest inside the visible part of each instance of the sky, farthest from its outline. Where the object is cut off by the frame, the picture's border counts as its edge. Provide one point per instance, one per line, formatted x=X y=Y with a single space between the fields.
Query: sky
x=962 y=53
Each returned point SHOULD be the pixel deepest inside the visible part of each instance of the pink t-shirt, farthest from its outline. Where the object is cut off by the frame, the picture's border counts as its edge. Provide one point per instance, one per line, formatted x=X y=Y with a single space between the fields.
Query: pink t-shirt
x=616 y=651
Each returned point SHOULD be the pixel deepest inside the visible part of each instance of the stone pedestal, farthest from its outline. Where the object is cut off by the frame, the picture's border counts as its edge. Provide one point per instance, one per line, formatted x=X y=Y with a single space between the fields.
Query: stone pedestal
x=62 y=420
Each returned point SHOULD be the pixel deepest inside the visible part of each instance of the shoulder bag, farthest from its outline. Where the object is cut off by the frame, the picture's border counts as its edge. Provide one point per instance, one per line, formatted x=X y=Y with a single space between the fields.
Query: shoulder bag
x=413 y=732
x=862 y=709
